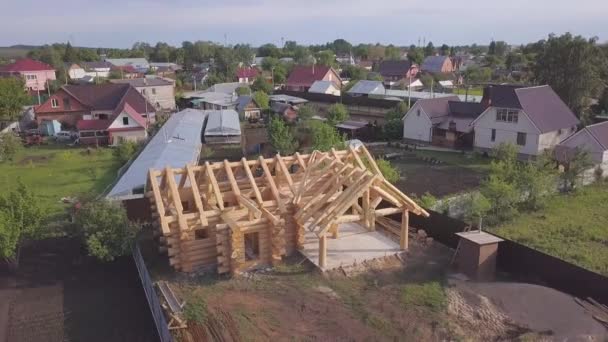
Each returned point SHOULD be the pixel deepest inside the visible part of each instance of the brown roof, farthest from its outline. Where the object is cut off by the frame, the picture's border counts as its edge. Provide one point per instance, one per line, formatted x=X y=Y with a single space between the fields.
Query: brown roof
x=465 y=109
x=438 y=106
x=107 y=96
x=306 y=75
x=394 y=68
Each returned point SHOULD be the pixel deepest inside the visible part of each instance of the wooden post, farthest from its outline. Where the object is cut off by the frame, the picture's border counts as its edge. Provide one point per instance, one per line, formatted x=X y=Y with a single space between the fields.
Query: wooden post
x=403 y=242
x=334 y=231
x=323 y=251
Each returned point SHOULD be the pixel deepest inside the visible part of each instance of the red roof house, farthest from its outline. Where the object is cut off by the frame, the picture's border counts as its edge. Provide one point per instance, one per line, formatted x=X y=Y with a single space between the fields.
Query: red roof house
x=114 y=112
x=35 y=74
x=303 y=76
x=247 y=75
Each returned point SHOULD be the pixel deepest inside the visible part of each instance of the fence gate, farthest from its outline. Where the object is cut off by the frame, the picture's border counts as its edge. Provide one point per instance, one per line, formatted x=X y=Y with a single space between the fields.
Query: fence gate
x=153 y=301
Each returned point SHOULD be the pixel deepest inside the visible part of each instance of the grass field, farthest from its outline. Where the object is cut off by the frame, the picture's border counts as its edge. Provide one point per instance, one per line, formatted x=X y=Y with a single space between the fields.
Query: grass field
x=53 y=172
x=571 y=227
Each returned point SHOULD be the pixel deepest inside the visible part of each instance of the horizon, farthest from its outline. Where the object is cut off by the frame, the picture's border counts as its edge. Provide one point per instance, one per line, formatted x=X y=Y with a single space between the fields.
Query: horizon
x=316 y=22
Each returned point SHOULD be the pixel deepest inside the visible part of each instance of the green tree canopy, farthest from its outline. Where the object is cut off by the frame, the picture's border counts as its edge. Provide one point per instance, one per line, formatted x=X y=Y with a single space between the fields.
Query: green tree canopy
x=429 y=50
x=10 y=144
x=12 y=98
x=261 y=99
x=105 y=229
x=337 y=113
x=260 y=84
x=324 y=136
x=269 y=50
x=281 y=137
x=243 y=90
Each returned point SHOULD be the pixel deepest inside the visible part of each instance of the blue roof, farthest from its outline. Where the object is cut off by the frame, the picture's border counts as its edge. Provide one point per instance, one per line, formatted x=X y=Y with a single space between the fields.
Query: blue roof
x=176 y=144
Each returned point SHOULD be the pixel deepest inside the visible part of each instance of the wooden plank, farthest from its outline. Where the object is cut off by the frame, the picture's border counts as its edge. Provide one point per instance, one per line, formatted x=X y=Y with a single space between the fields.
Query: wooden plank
x=272 y=218
x=158 y=201
x=250 y=205
x=216 y=188
x=372 y=162
x=301 y=161
x=197 y=196
x=254 y=186
x=272 y=184
x=279 y=161
x=387 y=196
x=233 y=184
x=403 y=238
x=387 y=211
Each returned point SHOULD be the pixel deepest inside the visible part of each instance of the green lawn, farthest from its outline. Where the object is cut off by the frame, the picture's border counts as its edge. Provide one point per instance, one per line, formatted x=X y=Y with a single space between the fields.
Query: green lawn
x=472 y=91
x=571 y=227
x=53 y=172
x=471 y=161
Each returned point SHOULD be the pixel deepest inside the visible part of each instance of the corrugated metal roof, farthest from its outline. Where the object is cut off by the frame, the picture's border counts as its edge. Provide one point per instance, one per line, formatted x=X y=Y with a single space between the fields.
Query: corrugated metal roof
x=176 y=144
x=222 y=123
x=287 y=99
x=367 y=87
x=322 y=87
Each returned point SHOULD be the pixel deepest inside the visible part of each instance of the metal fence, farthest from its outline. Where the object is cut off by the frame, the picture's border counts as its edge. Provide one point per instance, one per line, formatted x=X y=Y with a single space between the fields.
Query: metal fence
x=162 y=327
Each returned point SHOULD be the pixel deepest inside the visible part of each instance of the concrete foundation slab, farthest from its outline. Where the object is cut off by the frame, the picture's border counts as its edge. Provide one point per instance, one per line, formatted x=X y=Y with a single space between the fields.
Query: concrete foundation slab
x=353 y=245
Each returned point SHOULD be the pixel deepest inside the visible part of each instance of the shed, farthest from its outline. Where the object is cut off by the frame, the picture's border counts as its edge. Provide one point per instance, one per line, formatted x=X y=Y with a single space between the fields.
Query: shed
x=222 y=127
x=354 y=129
x=50 y=127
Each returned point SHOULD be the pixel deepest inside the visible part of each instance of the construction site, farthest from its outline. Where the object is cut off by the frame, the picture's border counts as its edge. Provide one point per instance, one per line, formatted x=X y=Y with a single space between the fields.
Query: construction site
x=238 y=216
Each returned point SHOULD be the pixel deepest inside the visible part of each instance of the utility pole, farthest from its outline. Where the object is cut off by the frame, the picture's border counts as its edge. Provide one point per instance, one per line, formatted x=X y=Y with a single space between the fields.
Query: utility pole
x=409 y=93
x=272 y=75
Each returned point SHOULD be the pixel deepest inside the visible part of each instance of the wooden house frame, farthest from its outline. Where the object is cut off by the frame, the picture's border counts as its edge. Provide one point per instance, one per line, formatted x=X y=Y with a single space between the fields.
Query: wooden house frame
x=240 y=215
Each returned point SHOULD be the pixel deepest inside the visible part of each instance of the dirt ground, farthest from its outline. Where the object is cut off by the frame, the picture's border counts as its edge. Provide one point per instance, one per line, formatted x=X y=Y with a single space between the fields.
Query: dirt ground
x=294 y=302
x=58 y=295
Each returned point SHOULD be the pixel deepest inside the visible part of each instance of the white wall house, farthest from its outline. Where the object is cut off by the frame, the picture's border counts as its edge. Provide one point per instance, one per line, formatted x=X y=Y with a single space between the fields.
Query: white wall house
x=158 y=91
x=128 y=125
x=593 y=139
x=417 y=124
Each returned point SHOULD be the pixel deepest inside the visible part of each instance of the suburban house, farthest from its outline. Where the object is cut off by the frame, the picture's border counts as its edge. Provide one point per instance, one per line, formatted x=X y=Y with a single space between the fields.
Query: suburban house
x=593 y=139
x=366 y=88
x=213 y=100
x=164 y=68
x=226 y=88
x=159 y=91
x=35 y=74
x=282 y=98
x=138 y=64
x=287 y=111
x=443 y=121
x=437 y=64
x=247 y=108
x=75 y=71
x=96 y=69
x=367 y=65
x=247 y=75
x=302 y=77
x=104 y=113
x=324 y=87
x=533 y=118
x=222 y=127
x=128 y=71
x=395 y=71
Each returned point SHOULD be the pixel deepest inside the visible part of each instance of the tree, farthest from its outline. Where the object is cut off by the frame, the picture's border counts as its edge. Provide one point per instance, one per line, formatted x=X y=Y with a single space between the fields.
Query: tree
x=261 y=99
x=337 y=113
x=429 y=50
x=575 y=163
x=389 y=172
x=324 y=136
x=70 y=55
x=444 y=50
x=505 y=152
x=126 y=150
x=260 y=84
x=105 y=229
x=243 y=91
x=477 y=206
x=12 y=98
x=572 y=66
x=535 y=182
x=341 y=47
x=281 y=137
x=393 y=128
x=326 y=58
x=21 y=218
x=10 y=144
x=392 y=52
x=307 y=111
x=269 y=63
x=475 y=74
x=269 y=50
x=492 y=48
x=415 y=55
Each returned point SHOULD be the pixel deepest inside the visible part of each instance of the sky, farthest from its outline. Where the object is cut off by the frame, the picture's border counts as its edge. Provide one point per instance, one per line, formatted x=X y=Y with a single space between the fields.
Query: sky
x=120 y=23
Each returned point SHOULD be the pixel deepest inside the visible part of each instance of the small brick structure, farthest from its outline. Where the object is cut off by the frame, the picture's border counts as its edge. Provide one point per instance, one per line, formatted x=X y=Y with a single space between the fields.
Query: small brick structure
x=477 y=254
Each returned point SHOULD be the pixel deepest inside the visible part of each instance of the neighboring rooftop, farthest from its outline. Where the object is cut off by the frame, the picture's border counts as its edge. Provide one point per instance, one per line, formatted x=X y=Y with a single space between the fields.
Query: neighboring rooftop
x=287 y=99
x=108 y=96
x=176 y=144
x=226 y=88
x=135 y=62
x=222 y=123
x=394 y=68
x=26 y=64
x=433 y=63
x=95 y=65
x=306 y=75
x=220 y=99
x=248 y=72
x=367 y=87
x=322 y=87
x=145 y=82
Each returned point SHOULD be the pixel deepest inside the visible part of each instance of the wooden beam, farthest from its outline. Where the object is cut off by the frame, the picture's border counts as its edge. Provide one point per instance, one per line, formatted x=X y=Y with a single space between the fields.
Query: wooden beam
x=160 y=207
x=272 y=184
x=403 y=238
x=372 y=162
x=385 y=195
x=358 y=160
x=233 y=184
x=301 y=161
x=196 y=195
x=216 y=188
x=250 y=205
x=285 y=172
x=254 y=186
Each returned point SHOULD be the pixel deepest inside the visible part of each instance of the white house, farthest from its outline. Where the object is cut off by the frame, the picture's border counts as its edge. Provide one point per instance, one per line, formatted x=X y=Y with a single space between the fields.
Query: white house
x=324 y=87
x=75 y=71
x=159 y=91
x=533 y=118
x=593 y=139
x=97 y=69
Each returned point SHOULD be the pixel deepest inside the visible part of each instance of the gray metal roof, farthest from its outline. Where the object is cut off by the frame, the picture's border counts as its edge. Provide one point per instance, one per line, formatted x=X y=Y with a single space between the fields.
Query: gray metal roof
x=367 y=87
x=287 y=99
x=321 y=87
x=222 y=123
x=220 y=99
x=226 y=88
x=136 y=62
x=145 y=82
x=176 y=144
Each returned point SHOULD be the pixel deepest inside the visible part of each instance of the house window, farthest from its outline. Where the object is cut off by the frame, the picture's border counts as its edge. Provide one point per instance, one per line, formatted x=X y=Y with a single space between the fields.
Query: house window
x=418 y=112
x=54 y=103
x=30 y=77
x=143 y=91
x=125 y=121
x=507 y=115
x=66 y=103
x=153 y=91
x=493 y=138
x=521 y=139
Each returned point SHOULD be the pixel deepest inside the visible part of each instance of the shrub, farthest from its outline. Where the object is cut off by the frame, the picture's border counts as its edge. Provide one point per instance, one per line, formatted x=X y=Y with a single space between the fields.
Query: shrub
x=126 y=150
x=337 y=113
x=389 y=172
x=195 y=309
x=427 y=200
x=10 y=145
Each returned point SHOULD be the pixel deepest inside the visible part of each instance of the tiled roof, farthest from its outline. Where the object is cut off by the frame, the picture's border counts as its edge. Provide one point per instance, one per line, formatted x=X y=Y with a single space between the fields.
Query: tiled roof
x=394 y=68
x=98 y=96
x=438 y=106
x=306 y=75
x=544 y=107
x=247 y=72
x=95 y=65
x=26 y=64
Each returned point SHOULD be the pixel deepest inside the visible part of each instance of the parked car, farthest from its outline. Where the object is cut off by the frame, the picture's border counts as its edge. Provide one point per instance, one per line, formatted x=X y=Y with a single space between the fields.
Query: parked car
x=64 y=136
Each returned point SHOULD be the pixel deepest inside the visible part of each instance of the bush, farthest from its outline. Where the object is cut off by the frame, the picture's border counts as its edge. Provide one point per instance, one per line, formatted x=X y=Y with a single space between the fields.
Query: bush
x=105 y=229
x=281 y=137
x=427 y=200
x=389 y=172
x=126 y=150
x=324 y=136
x=195 y=309
x=337 y=113
x=10 y=145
